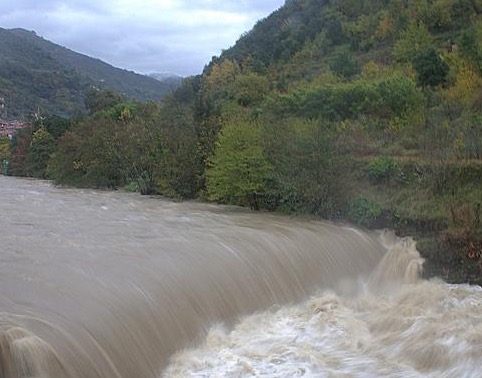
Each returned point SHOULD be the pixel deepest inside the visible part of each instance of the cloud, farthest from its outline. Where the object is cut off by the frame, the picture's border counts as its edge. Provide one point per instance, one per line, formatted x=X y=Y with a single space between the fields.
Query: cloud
x=142 y=35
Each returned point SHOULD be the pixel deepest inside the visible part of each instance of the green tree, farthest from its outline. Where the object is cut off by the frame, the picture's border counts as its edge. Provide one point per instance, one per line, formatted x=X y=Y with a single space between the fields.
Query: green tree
x=431 y=69
x=334 y=31
x=344 y=64
x=88 y=155
x=100 y=156
x=470 y=47
x=20 y=145
x=306 y=170
x=65 y=166
x=397 y=96
x=56 y=125
x=41 y=147
x=349 y=8
x=97 y=100
x=218 y=84
x=238 y=170
x=436 y=14
x=4 y=148
x=4 y=152
x=415 y=39
x=181 y=165
x=140 y=154
x=250 y=89
x=216 y=90
x=464 y=9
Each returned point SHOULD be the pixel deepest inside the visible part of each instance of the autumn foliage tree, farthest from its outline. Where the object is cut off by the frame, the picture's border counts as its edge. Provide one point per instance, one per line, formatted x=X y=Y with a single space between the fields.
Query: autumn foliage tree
x=238 y=171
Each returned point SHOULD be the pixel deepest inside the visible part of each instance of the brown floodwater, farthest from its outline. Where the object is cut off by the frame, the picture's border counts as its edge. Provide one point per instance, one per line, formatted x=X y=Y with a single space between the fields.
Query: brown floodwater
x=111 y=284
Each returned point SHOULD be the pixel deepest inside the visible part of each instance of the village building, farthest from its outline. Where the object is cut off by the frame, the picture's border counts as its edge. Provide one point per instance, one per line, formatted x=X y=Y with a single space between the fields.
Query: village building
x=9 y=128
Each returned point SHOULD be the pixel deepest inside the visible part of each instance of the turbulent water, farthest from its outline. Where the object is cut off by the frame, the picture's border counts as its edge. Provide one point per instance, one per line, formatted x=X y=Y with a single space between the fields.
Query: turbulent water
x=106 y=284
x=402 y=328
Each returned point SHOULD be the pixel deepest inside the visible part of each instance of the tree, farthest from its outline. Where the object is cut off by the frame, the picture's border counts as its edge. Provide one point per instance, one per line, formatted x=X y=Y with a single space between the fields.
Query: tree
x=140 y=153
x=344 y=64
x=463 y=9
x=431 y=69
x=20 y=145
x=217 y=89
x=56 y=125
x=437 y=15
x=100 y=156
x=398 y=95
x=97 y=100
x=350 y=8
x=38 y=154
x=238 y=170
x=4 y=153
x=334 y=31
x=65 y=166
x=415 y=39
x=4 y=147
x=250 y=89
x=306 y=171
x=180 y=167
x=218 y=85
x=88 y=155
x=470 y=48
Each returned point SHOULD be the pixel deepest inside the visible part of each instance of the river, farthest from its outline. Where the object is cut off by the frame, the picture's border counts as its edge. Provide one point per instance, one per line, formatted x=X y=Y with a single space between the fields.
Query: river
x=111 y=284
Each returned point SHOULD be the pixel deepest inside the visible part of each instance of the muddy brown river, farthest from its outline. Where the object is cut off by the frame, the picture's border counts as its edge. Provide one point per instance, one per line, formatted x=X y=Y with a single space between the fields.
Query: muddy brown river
x=111 y=284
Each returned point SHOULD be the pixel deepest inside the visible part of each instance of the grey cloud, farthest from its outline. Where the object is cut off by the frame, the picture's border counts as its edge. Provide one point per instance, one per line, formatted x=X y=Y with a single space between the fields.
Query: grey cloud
x=144 y=35
x=241 y=5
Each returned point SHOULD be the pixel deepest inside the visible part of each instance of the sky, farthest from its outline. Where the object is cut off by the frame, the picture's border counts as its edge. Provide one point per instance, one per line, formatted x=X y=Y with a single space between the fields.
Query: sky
x=145 y=36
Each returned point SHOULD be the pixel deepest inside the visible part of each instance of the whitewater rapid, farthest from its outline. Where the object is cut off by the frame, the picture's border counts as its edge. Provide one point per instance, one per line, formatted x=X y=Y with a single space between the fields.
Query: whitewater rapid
x=395 y=325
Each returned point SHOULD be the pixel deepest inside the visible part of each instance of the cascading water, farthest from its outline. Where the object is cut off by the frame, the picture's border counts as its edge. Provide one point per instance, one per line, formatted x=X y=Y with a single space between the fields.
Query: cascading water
x=105 y=284
x=396 y=326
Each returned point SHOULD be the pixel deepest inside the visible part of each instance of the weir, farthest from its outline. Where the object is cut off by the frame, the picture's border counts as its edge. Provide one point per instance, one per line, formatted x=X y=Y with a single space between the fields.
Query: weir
x=101 y=284
x=107 y=284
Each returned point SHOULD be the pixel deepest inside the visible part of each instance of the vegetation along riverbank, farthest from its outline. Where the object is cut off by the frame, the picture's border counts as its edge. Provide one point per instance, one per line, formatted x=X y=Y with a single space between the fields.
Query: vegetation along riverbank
x=368 y=111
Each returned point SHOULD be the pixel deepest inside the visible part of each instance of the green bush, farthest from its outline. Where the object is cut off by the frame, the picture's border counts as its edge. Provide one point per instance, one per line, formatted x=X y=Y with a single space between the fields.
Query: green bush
x=331 y=102
x=345 y=65
x=392 y=96
x=397 y=96
x=364 y=211
x=431 y=69
x=381 y=169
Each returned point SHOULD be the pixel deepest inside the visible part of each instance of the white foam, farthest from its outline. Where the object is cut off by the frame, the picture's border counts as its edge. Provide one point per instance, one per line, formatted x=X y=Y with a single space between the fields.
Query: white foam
x=413 y=329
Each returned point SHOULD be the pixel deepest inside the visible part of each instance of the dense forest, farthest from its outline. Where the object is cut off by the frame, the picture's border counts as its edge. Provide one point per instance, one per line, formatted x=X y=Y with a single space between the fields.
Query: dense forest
x=366 y=111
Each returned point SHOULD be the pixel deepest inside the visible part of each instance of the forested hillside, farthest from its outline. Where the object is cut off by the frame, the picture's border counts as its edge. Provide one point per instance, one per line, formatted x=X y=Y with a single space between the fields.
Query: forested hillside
x=366 y=111
x=36 y=73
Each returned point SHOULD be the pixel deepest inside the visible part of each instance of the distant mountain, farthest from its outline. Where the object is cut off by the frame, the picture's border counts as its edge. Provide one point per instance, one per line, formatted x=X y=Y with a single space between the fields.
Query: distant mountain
x=36 y=73
x=163 y=76
x=168 y=78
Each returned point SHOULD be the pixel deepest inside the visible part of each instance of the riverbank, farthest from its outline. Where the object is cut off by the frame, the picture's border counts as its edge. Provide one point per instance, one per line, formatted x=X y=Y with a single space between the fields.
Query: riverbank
x=446 y=226
x=437 y=203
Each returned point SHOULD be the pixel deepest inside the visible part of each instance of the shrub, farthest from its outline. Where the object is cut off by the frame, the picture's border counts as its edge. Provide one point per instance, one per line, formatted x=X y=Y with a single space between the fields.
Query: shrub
x=431 y=69
x=364 y=211
x=344 y=64
x=381 y=169
x=398 y=96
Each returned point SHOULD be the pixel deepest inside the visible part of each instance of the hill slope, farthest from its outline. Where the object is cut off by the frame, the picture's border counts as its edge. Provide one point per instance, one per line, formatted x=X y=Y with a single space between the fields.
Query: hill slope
x=369 y=110
x=37 y=73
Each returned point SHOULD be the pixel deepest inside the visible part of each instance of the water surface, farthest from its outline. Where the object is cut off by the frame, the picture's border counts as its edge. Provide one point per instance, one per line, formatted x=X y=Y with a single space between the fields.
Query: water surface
x=109 y=284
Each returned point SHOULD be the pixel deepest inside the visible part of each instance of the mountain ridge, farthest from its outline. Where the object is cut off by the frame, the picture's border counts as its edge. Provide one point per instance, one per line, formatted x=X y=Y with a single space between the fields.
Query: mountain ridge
x=37 y=73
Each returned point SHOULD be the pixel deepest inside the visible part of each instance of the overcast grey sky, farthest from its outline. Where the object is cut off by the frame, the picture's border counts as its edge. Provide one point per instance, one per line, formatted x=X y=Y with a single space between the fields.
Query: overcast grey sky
x=145 y=36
